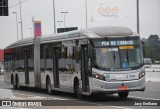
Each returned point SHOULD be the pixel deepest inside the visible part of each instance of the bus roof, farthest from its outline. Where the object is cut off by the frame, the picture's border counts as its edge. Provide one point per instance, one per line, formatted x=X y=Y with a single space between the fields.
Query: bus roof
x=95 y=32
x=112 y=31
x=26 y=41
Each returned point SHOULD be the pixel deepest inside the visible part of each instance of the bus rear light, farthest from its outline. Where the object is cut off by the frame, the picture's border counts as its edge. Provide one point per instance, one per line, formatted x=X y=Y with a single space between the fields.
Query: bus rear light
x=98 y=76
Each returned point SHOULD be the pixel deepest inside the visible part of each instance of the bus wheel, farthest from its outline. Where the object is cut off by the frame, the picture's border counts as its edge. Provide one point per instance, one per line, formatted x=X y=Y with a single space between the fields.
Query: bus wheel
x=49 y=89
x=123 y=94
x=16 y=83
x=13 y=83
x=77 y=91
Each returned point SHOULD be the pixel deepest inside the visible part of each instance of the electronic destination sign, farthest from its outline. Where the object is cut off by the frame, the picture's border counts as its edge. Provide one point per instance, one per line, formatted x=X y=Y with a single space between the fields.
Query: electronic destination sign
x=115 y=42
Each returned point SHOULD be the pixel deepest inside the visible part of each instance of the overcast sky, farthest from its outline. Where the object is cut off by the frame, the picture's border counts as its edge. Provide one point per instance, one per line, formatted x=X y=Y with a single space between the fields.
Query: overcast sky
x=124 y=14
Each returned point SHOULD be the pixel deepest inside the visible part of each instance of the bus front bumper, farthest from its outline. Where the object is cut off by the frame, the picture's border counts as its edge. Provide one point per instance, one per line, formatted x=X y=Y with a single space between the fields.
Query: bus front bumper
x=100 y=86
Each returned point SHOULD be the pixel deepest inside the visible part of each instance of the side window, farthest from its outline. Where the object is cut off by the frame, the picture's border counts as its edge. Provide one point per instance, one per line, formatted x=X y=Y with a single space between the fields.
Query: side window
x=16 y=54
x=43 y=52
x=62 y=52
x=20 y=54
x=77 y=53
x=49 y=53
x=8 y=57
x=29 y=54
x=69 y=50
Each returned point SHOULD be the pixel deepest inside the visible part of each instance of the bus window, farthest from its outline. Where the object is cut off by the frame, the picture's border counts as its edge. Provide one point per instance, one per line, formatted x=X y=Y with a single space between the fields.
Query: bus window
x=77 y=53
x=62 y=52
x=49 y=53
x=114 y=58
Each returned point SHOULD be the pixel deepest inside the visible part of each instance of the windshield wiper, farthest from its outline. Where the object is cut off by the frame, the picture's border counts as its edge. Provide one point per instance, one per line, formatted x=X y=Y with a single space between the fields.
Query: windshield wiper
x=114 y=57
x=127 y=57
x=127 y=54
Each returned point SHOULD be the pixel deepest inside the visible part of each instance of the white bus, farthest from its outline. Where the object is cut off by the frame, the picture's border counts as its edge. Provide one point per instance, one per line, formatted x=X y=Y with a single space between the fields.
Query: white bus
x=84 y=62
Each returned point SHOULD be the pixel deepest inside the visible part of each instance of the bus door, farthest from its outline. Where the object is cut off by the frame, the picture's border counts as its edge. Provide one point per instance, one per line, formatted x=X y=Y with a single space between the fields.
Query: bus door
x=55 y=67
x=84 y=68
x=26 y=71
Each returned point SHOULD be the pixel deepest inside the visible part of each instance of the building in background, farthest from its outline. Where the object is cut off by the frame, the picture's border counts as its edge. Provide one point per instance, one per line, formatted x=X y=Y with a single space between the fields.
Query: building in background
x=4 y=8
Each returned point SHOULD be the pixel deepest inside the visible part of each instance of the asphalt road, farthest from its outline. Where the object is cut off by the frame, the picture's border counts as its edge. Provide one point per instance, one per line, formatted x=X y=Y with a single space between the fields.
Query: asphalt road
x=69 y=101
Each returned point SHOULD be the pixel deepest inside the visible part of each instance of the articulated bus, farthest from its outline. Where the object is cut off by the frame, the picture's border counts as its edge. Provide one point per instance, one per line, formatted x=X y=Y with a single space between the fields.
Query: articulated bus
x=99 y=60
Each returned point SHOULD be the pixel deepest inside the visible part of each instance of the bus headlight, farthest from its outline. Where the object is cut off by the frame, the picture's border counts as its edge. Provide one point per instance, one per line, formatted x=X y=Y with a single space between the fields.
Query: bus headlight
x=98 y=76
x=141 y=74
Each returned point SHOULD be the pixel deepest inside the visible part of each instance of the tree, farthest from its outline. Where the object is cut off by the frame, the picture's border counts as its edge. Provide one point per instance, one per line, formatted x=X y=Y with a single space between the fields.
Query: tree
x=152 y=48
x=153 y=40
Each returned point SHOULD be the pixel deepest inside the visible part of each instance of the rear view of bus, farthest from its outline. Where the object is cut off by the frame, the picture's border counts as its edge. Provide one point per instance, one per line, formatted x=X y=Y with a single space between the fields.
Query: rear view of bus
x=117 y=65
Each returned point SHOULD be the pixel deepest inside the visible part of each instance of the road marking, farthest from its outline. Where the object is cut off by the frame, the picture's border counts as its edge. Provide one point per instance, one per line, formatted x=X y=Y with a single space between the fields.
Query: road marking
x=13 y=108
x=23 y=94
x=33 y=97
x=57 y=98
x=144 y=98
x=119 y=107
x=98 y=104
x=36 y=97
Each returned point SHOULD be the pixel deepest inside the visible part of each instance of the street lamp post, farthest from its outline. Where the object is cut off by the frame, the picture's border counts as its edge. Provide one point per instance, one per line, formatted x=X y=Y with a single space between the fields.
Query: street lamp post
x=86 y=13
x=16 y=23
x=21 y=19
x=59 y=23
x=54 y=16
x=138 y=30
x=64 y=18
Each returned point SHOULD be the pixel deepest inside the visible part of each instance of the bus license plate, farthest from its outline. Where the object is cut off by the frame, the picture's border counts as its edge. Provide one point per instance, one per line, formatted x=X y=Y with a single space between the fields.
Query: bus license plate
x=122 y=88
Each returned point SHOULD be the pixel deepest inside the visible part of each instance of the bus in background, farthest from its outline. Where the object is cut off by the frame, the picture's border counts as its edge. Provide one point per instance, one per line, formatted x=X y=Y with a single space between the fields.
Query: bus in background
x=83 y=62
x=151 y=67
x=147 y=62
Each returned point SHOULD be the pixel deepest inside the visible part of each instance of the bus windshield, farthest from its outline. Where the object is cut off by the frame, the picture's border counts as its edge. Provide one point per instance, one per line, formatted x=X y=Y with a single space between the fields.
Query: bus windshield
x=117 y=57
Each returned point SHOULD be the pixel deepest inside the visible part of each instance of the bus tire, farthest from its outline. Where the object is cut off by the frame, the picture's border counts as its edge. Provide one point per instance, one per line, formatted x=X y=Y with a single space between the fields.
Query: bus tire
x=12 y=79
x=16 y=83
x=13 y=82
x=49 y=88
x=77 y=90
x=123 y=94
